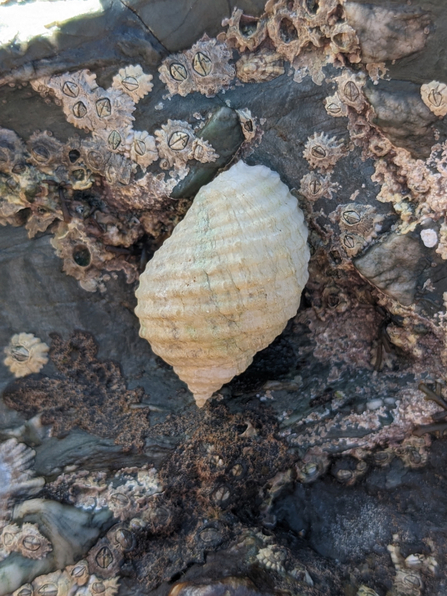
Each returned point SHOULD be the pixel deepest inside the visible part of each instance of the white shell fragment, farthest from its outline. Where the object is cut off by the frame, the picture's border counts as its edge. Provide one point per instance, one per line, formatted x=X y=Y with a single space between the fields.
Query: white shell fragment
x=226 y=282
x=429 y=238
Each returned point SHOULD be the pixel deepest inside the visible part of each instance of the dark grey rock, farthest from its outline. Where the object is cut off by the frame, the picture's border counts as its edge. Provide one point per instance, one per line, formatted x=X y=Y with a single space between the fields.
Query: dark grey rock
x=37 y=297
x=402 y=115
x=388 y=32
x=223 y=132
x=393 y=266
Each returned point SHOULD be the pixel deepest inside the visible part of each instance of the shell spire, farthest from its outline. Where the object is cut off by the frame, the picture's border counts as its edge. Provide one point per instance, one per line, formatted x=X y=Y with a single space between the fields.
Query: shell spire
x=226 y=282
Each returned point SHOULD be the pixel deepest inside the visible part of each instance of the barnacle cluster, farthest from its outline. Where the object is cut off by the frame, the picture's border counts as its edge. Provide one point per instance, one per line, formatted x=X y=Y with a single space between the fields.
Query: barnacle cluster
x=75 y=580
x=72 y=185
x=204 y=68
x=177 y=145
x=27 y=540
x=292 y=28
x=408 y=578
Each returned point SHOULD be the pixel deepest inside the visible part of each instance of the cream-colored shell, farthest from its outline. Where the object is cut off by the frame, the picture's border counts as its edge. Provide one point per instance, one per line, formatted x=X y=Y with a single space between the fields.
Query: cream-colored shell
x=226 y=282
x=25 y=354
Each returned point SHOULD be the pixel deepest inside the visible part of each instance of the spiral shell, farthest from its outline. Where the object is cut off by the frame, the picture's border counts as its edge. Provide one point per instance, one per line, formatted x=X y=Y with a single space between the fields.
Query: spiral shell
x=226 y=282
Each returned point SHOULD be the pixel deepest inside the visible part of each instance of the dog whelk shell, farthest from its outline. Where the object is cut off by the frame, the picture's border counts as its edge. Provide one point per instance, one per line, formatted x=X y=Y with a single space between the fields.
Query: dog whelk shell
x=226 y=282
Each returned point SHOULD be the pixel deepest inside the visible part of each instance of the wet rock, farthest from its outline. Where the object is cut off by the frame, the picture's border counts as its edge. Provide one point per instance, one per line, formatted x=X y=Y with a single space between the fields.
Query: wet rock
x=80 y=40
x=393 y=266
x=223 y=132
x=388 y=33
x=402 y=115
x=71 y=532
x=188 y=21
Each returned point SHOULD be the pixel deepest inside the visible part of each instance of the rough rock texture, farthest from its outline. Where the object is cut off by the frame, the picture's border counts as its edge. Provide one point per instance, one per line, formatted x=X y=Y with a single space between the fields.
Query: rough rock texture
x=321 y=469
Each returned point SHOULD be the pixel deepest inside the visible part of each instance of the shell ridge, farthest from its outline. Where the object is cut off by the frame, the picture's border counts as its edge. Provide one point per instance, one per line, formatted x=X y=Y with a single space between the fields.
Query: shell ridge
x=226 y=282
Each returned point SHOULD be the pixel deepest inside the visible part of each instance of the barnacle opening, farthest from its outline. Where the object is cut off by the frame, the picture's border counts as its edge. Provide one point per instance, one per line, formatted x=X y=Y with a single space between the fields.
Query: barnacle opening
x=81 y=255
x=20 y=353
x=287 y=30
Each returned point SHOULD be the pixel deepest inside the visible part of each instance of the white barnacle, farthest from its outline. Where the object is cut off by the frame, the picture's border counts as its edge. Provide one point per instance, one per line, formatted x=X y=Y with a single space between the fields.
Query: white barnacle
x=25 y=354
x=142 y=148
x=323 y=152
x=177 y=144
x=132 y=81
x=434 y=95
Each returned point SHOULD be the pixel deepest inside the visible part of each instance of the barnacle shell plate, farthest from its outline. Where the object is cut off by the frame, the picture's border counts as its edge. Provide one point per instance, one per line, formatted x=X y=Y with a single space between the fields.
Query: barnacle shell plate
x=226 y=282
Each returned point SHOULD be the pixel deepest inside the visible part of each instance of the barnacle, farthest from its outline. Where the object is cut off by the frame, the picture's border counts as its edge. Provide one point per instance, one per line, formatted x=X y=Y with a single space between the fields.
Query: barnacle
x=97 y=586
x=83 y=256
x=350 y=90
x=46 y=152
x=68 y=87
x=175 y=74
x=132 y=81
x=119 y=170
x=142 y=148
x=315 y=13
x=248 y=124
x=121 y=537
x=204 y=68
x=379 y=145
x=383 y=457
x=113 y=140
x=8 y=212
x=209 y=64
x=413 y=451
x=177 y=144
x=312 y=467
x=121 y=502
x=244 y=32
x=58 y=583
x=408 y=583
x=344 y=40
x=31 y=544
x=265 y=65
x=322 y=151
x=290 y=36
x=25 y=354
x=104 y=559
x=9 y=538
x=272 y=557
x=335 y=106
x=434 y=95
x=91 y=153
x=314 y=186
x=362 y=220
x=79 y=572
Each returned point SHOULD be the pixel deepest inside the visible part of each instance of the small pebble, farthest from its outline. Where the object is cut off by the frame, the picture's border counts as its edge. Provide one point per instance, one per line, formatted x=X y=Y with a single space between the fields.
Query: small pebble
x=429 y=238
x=375 y=404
